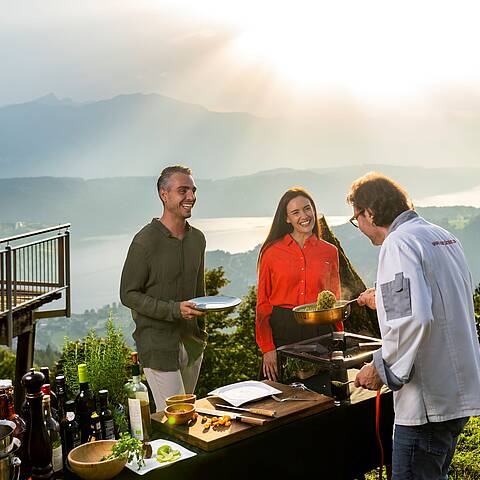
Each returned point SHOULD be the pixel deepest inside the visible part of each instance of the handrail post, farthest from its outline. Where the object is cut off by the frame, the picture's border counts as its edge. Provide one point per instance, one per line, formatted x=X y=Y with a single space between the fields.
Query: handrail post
x=8 y=251
x=61 y=260
x=68 y=300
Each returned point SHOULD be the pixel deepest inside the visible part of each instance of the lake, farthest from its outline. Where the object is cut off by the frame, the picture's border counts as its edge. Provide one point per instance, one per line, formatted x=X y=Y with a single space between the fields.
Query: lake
x=96 y=262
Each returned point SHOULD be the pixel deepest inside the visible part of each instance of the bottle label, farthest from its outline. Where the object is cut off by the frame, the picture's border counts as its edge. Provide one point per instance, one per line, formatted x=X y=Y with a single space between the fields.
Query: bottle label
x=57 y=458
x=135 y=414
x=70 y=416
x=109 y=430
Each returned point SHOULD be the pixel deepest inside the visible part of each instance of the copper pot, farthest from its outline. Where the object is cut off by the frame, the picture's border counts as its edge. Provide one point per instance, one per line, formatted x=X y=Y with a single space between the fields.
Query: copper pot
x=339 y=313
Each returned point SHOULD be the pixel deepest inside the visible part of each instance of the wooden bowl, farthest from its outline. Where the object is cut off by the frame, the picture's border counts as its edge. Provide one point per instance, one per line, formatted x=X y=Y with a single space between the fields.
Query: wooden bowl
x=85 y=461
x=179 y=413
x=185 y=398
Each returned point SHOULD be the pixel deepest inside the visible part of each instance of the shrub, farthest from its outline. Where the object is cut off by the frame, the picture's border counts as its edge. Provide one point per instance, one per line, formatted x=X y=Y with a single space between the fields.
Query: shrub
x=107 y=359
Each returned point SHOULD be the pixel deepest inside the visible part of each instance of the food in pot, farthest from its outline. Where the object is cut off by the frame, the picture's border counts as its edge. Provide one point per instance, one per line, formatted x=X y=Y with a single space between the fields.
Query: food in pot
x=326 y=299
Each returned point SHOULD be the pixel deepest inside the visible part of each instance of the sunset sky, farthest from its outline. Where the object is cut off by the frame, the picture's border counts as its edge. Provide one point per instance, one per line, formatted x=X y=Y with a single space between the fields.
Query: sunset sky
x=264 y=57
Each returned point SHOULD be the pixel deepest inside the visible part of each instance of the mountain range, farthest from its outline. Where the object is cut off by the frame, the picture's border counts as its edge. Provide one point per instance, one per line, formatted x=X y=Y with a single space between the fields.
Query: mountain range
x=138 y=134
x=121 y=205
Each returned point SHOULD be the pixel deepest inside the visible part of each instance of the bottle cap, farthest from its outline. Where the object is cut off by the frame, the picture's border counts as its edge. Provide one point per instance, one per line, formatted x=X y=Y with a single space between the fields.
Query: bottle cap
x=82 y=373
x=70 y=405
x=5 y=383
x=134 y=357
x=45 y=388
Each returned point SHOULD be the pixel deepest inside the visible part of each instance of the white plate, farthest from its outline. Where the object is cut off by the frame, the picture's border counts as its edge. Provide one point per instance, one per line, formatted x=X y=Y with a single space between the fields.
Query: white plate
x=215 y=303
x=152 y=464
x=242 y=392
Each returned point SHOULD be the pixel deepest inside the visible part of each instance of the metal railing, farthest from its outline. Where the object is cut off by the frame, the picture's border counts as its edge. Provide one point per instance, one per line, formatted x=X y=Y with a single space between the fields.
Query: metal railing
x=33 y=266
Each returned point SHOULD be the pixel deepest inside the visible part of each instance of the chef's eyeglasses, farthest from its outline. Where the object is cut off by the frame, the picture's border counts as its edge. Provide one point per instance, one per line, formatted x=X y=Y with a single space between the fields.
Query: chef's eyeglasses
x=354 y=219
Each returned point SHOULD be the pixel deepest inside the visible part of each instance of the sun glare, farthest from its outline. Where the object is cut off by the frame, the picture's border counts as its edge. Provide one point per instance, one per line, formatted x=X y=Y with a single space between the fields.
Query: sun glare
x=373 y=49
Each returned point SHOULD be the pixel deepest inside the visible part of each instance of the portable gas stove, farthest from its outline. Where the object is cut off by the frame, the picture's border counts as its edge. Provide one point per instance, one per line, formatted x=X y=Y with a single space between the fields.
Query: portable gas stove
x=331 y=355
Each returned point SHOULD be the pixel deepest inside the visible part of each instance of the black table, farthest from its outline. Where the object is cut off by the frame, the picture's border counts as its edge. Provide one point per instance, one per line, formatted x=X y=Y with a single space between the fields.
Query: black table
x=338 y=443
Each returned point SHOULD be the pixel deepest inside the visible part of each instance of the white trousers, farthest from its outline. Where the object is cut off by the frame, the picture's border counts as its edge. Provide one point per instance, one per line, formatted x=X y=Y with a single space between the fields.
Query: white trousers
x=166 y=384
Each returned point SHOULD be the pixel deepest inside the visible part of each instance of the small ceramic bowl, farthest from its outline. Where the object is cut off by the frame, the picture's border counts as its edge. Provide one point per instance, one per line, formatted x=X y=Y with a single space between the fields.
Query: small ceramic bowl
x=179 y=413
x=85 y=461
x=185 y=398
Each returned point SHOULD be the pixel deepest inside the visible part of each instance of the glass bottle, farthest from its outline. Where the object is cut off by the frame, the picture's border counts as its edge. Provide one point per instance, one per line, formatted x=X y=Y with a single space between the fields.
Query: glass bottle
x=138 y=403
x=38 y=448
x=84 y=404
x=71 y=430
x=339 y=378
x=95 y=428
x=53 y=430
x=47 y=390
x=20 y=425
x=106 y=417
x=53 y=396
x=62 y=412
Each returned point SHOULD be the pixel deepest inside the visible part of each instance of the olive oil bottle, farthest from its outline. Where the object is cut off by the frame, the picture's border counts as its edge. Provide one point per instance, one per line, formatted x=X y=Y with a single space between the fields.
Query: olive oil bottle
x=85 y=404
x=138 y=403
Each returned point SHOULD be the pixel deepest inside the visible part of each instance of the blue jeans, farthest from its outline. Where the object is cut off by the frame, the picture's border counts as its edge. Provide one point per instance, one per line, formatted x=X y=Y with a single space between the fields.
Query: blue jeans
x=424 y=452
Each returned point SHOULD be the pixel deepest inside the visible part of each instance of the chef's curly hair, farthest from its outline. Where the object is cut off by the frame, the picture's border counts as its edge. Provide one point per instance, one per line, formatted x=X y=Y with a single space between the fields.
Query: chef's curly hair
x=384 y=197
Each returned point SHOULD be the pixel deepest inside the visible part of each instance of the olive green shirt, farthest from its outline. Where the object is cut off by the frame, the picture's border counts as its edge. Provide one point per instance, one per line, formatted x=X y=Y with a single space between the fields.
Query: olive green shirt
x=161 y=271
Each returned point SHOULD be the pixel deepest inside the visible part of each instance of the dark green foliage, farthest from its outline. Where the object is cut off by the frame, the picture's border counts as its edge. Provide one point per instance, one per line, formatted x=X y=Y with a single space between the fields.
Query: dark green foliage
x=48 y=357
x=107 y=359
x=232 y=354
x=7 y=363
x=466 y=462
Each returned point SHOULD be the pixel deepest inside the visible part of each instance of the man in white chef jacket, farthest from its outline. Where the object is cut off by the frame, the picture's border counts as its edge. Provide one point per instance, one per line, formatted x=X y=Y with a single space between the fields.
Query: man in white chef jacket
x=430 y=355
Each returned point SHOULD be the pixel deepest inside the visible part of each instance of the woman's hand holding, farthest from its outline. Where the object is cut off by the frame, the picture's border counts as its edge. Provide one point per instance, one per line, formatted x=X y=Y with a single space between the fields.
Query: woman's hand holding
x=270 y=370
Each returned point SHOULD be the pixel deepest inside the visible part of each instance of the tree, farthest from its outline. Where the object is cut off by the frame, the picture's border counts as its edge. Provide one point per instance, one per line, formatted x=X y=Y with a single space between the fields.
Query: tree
x=363 y=320
x=231 y=354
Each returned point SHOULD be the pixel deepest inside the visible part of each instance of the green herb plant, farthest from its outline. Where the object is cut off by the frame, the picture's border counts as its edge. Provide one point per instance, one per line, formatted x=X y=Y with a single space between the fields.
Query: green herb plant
x=108 y=362
x=128 y=447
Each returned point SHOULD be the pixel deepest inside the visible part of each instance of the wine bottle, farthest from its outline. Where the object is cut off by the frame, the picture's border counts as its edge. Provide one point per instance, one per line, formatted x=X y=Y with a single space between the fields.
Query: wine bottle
x=71 y=430
x=138 y=403
x=47 y=390
x=53 y=430
x=53 y=395
x=38 y=448
x=84 y=404
x=62 y=413
x=6 y=388
x=106 y=417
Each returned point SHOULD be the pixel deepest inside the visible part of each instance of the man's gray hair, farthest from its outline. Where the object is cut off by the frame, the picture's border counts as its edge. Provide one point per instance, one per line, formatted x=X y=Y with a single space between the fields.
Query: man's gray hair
x=167 y=172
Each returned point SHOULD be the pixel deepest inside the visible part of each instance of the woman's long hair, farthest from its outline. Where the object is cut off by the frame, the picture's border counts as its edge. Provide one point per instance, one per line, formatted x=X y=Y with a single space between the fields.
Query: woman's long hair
x=280 y=227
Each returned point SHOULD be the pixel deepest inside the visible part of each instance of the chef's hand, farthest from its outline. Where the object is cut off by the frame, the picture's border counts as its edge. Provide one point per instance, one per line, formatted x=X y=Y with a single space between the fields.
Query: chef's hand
x=368 y=298
x=368 y=378
x=270 y=370
x=187 y=310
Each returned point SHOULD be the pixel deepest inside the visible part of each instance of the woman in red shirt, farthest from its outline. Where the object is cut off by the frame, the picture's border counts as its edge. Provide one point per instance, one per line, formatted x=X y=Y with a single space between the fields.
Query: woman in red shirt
x=294 y=265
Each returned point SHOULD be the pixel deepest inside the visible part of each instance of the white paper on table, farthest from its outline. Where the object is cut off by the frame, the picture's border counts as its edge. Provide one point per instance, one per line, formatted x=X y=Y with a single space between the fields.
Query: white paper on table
x=152 y=463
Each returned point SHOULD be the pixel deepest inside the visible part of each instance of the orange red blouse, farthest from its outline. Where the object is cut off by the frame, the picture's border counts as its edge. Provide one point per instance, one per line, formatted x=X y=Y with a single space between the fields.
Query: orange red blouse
x=291 y=276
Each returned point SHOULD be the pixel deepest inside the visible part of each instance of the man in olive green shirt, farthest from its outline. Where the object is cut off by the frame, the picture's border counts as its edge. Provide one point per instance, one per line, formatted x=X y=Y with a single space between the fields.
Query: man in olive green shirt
x=163 y=269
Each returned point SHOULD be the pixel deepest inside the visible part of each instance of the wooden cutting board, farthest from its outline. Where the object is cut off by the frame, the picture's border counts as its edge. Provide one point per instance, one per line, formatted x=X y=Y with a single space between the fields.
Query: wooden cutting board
x=286 y=412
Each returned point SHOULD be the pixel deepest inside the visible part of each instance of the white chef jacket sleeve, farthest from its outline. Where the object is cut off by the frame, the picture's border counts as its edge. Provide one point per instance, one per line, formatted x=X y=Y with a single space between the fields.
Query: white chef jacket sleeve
x=404 y=309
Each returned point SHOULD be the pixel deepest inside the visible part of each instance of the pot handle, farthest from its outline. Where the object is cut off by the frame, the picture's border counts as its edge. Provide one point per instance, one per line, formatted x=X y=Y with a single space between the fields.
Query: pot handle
x=16 y=462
